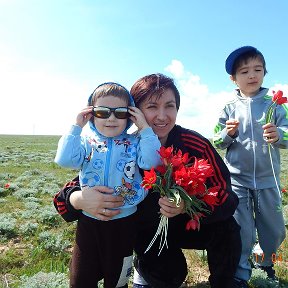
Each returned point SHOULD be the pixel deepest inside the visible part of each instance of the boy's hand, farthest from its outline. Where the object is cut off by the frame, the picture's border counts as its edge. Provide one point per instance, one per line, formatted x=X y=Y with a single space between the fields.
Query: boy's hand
x=270 y=133
x=138 y=118
x=232 y=126
x=84 y=116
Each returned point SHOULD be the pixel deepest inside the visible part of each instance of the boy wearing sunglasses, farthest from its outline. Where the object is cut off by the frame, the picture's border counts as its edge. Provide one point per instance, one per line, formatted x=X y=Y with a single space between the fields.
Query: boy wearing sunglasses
x=108 y=156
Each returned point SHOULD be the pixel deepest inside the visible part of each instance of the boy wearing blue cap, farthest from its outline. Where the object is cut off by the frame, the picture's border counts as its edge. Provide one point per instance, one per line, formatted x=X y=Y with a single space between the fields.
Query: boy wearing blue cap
x=243 y=131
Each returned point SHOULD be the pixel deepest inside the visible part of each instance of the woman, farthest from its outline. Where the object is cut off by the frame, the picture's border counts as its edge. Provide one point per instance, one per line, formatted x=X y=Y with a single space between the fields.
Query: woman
x=158 y=98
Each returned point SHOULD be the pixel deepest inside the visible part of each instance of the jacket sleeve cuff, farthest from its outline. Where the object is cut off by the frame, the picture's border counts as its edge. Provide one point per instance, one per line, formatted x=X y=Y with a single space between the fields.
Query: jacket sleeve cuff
x=147 y=132
x=75 y=130
x=226 y=138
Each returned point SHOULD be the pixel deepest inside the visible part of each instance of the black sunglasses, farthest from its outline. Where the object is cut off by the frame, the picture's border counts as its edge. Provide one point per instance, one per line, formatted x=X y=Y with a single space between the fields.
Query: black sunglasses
x=105 y=112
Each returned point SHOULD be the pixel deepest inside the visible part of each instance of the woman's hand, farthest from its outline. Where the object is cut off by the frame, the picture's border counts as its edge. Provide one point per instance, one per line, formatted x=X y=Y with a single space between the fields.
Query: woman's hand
x=97 y=201
x=169 y=209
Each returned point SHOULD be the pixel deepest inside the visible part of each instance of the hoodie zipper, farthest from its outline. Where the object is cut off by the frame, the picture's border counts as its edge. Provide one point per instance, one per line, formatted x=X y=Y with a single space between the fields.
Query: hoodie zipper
x=253 y=141
x=107 y=162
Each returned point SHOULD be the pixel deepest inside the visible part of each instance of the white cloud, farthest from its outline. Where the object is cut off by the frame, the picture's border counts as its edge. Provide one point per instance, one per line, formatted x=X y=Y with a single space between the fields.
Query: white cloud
x=36 y=100
x=199 y=107
x=176 y=68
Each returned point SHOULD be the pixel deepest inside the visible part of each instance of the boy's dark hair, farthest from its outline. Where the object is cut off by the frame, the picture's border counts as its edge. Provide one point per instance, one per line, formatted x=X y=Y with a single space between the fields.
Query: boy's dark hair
x=111 y=89
x=153 y=85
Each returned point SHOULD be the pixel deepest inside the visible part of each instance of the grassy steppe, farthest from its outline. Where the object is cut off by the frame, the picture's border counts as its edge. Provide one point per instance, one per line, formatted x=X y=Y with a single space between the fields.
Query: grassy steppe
x=35 y=243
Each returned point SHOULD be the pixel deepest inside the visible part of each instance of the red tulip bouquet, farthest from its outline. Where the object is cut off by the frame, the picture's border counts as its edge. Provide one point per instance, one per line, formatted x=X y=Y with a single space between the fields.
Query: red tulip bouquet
x=180 y=179
x=277 y=99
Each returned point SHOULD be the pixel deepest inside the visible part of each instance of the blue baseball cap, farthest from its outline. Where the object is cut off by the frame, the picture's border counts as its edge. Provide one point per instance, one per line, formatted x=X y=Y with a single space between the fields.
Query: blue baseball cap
x=234 y=55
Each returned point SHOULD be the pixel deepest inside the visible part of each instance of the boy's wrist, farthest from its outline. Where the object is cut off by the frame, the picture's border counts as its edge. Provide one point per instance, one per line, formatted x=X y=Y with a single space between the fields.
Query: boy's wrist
x=143 y=127
x=75 y=129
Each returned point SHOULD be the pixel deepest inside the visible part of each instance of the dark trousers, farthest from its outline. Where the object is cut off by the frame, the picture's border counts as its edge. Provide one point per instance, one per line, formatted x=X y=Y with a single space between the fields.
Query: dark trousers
x=100 y=250
x=221 y=239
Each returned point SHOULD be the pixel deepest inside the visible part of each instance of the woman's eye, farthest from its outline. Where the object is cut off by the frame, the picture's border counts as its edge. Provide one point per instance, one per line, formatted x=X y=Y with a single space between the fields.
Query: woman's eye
x=171 y=106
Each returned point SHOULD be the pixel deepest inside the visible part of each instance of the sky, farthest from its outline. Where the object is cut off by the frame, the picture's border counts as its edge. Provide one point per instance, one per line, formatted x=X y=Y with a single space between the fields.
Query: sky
x=53 y=53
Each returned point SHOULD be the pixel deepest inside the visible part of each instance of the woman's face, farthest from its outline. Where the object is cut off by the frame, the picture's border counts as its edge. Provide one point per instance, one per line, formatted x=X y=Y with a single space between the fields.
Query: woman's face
x=160 y=113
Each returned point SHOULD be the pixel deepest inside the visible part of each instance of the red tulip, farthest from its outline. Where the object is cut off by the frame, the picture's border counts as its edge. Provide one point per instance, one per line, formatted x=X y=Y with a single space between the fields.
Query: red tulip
x=166 y=154
x=192 y=224
x=278 y=97
x=149 y=179
x=211 y=197
x=7 y=186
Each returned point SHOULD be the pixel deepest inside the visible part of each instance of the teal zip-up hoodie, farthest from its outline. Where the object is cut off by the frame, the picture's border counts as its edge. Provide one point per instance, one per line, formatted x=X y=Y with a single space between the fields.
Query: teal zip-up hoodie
x=111 y=161
x=247 y=156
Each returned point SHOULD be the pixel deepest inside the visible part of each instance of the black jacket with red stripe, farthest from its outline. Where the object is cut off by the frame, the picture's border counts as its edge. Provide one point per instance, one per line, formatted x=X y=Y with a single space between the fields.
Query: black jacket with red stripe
x=187 y=141
x=196 y=145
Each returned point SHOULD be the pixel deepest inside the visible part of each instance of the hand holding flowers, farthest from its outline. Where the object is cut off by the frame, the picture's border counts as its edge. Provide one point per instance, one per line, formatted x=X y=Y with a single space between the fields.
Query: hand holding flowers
x=180 y=179
x=271 y=135
x=277 y=99
x=169 y=209
x=270 y=129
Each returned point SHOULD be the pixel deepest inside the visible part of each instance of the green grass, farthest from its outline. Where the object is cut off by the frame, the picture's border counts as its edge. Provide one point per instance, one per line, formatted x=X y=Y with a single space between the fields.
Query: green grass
x=35 y=243
x=26 y=163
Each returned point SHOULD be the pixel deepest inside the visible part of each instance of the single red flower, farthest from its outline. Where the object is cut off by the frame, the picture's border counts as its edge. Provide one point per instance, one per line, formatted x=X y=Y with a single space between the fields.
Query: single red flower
x=181 y=177
x=192 y=224
x=166 y=154
x=211 y=197
x=278 y=97
x=7 y=186
x=149 y=178
x=179 y=159
x=284 y=190
x=204 y=168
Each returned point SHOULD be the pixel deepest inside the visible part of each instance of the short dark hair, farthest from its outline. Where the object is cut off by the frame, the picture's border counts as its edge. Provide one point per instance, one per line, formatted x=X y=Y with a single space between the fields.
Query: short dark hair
x=153 y=85
x=110 y=88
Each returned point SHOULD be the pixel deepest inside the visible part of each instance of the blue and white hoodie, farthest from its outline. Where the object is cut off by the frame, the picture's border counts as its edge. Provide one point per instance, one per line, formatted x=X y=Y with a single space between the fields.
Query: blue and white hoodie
x=247 y=156
x=111 y=161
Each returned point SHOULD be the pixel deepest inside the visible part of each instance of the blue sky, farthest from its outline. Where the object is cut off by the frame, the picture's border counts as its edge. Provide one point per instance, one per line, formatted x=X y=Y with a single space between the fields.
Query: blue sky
x=54 y=53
